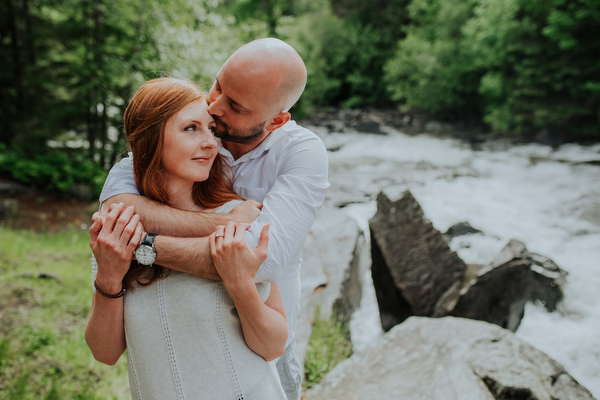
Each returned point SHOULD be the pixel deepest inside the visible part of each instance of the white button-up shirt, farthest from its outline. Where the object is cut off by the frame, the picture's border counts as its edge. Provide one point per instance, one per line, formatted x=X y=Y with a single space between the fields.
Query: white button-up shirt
x=287 y=172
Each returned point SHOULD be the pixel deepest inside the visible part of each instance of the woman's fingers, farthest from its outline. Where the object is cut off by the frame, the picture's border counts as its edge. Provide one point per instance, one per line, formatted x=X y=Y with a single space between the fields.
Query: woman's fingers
x=229 y=232
x=263 y=243
x=123 y=221
x=135 y=240
x=95 y=229
x=113 y=215
x=131 y=228
x=119 y=228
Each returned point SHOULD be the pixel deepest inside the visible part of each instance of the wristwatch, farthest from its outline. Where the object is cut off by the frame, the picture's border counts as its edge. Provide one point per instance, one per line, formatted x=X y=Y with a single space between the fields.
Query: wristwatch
x=145 y=253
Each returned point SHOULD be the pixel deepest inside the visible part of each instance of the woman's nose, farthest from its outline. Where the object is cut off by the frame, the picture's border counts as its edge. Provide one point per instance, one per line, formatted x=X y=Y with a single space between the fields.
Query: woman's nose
x=208 y=140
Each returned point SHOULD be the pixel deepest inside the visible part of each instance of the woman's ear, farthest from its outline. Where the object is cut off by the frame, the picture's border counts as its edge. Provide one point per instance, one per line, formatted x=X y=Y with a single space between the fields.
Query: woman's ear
x=278 y=121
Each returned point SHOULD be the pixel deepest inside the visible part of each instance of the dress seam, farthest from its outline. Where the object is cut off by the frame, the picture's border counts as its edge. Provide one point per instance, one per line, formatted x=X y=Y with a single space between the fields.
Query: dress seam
x=133 y=370
x=224 y=345
x=168 y=339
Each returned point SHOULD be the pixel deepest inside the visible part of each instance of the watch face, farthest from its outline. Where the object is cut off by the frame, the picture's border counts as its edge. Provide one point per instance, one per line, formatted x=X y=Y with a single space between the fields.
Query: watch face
x=145 y=255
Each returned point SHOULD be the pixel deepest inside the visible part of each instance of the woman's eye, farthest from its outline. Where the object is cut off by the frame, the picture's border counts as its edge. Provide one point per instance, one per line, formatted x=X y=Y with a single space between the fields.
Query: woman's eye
x=212 y=128
x=190 y=128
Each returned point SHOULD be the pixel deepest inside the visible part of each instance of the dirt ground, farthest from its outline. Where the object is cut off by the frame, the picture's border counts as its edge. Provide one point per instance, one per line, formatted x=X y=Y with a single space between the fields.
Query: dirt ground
x=40 y=212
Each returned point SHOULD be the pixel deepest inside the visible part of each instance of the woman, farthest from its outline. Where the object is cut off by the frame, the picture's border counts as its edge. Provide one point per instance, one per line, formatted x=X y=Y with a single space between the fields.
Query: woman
x=186 y=336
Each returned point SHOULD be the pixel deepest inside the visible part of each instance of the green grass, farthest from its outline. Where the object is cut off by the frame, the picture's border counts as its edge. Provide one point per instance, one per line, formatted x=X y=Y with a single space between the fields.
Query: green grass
x=45 y=299
x=329 y=345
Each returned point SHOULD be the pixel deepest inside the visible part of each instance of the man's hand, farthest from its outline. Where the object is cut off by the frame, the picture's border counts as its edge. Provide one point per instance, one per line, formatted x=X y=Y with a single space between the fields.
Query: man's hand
x=246 y=212
x=234 y=261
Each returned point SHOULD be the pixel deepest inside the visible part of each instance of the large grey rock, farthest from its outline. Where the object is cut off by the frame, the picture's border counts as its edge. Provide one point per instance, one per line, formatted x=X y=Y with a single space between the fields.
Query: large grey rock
x=449 y=359
x=414 y=271
x=499 y=291
x=334 y=261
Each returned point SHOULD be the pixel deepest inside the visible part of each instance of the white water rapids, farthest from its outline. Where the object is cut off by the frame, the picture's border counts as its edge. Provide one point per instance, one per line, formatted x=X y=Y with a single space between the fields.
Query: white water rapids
x=548 y=198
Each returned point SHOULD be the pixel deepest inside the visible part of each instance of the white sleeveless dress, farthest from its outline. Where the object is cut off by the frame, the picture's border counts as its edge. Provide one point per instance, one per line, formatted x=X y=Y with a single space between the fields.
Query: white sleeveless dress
x=185 y=341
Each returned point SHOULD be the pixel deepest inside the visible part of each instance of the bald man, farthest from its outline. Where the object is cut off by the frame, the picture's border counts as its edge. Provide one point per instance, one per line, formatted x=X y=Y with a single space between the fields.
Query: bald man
x=274 y=162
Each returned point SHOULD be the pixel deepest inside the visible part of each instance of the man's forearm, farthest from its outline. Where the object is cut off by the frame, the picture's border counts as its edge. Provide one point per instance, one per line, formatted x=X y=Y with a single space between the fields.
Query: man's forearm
x=189 y=255
x=165 y=220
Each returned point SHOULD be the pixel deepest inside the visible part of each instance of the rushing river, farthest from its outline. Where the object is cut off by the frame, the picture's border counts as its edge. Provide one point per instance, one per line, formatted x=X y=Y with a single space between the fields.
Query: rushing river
x=548 y=198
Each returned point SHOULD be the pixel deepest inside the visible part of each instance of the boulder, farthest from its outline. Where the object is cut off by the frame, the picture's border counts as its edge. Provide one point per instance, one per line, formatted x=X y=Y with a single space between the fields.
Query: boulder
x=500 y=290
x=449 y=359
x=460 y=229
x=414 y=271
x=334 y=261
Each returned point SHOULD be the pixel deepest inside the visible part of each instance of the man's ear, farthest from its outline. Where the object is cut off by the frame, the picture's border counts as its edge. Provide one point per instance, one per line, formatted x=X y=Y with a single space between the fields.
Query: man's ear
x=278 y=121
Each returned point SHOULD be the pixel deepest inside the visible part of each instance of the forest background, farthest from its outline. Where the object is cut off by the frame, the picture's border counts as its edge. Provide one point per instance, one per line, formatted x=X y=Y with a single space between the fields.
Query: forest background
x=69 y=67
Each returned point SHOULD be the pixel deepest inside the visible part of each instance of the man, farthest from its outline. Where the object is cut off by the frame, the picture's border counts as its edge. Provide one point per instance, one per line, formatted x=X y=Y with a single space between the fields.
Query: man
x=274 y=161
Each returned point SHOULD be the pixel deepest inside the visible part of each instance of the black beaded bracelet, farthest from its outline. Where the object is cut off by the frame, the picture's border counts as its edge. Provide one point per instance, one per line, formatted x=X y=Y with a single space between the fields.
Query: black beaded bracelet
x=110 y=296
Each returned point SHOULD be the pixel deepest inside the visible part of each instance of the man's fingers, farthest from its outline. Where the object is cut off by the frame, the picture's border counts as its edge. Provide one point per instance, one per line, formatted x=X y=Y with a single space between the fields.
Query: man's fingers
x=247 y=211
x=114 y=205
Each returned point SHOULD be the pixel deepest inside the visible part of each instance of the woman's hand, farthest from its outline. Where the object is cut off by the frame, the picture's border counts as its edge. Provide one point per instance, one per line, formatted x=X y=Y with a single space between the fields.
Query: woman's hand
x=234 y=261
x=113 y=240
x=264 y=324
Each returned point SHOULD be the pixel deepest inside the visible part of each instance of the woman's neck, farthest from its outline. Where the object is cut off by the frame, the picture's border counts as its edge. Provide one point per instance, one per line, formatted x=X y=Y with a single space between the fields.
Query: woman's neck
x=180 y=197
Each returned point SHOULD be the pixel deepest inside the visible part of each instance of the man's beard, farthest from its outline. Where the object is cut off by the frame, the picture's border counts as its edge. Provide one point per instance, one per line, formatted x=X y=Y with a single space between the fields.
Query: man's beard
x=245 y=136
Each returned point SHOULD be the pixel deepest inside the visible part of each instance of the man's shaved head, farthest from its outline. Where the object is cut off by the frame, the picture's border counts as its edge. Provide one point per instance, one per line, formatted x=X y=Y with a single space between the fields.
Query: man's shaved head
x=274 y=64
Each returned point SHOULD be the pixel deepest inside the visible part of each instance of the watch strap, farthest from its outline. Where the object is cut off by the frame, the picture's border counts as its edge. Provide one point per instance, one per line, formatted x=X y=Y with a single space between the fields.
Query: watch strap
x=148 y=239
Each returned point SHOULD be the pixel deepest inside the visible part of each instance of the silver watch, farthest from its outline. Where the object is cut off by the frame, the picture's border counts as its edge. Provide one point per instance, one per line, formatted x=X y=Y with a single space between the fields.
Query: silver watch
x=145 y=253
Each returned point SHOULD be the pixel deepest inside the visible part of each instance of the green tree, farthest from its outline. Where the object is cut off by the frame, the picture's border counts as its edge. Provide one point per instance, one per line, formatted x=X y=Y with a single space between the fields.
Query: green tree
x=522 y=66
x=72 y=66
x=269 y=12
x=432 y=70
x=542 y=67
x=25 y=88
x=345 y=45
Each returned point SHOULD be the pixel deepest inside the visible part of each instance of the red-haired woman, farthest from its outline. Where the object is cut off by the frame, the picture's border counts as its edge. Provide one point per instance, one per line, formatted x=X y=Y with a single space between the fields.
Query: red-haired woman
x=186 y=336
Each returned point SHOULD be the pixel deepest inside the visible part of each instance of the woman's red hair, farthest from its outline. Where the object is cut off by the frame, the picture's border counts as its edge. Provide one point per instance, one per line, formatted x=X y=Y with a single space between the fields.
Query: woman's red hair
x=145 y=118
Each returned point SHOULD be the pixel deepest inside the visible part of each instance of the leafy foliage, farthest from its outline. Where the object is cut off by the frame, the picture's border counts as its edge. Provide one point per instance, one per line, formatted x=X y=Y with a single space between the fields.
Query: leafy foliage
x=542 y=71
x=432 y=70
x=56 y=172
x=70 y=67
x=524 y=66
x=329 y=345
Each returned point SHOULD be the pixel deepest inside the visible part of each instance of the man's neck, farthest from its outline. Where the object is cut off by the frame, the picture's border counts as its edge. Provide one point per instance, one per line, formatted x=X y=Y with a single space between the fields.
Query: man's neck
x=239 y=149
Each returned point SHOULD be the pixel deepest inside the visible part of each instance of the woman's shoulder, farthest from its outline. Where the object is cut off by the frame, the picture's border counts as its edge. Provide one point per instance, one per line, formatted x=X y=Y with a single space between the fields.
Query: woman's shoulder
x=227 y=207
